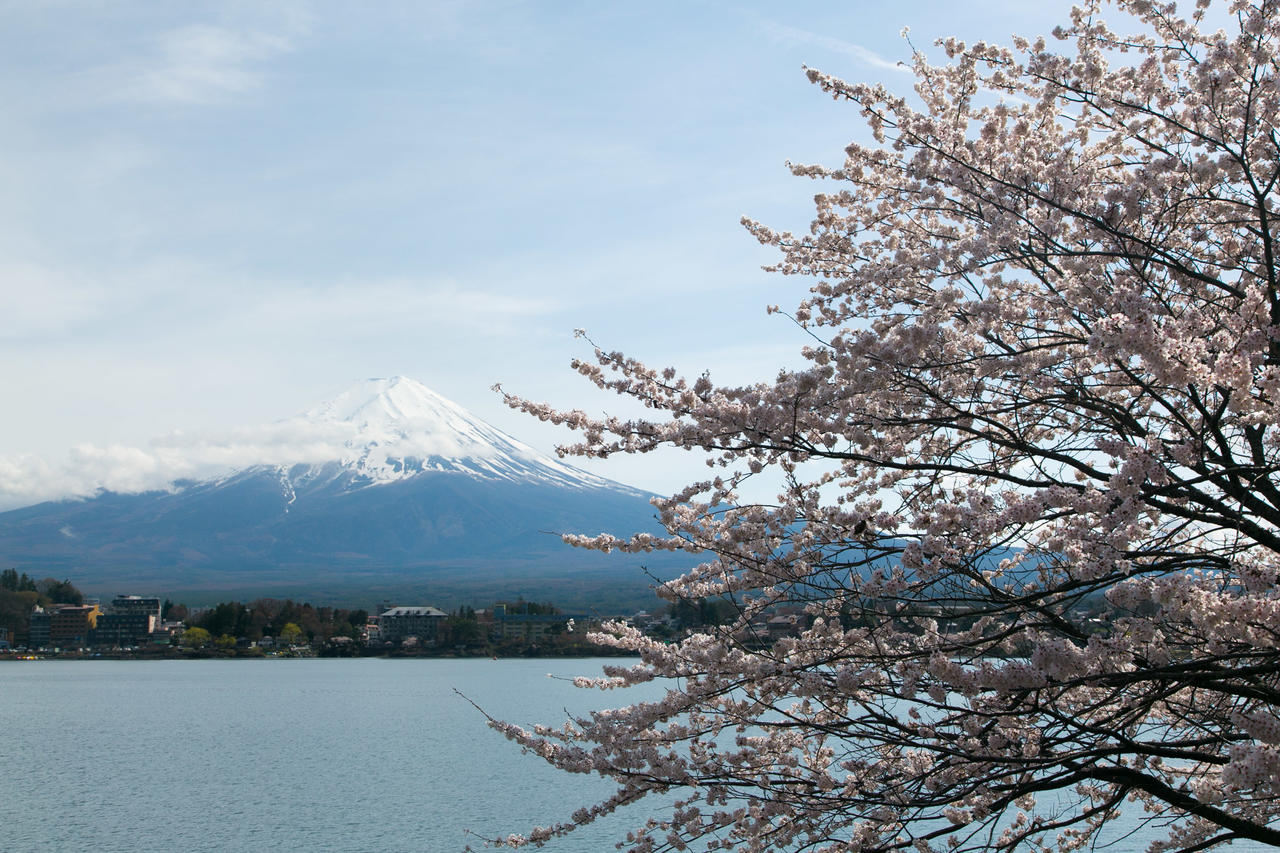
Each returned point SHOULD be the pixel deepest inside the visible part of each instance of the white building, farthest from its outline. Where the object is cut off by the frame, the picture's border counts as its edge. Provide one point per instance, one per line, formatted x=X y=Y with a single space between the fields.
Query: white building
x=424 y=622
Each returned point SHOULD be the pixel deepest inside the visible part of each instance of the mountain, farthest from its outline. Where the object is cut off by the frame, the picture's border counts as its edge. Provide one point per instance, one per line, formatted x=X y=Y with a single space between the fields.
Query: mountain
x=397 y=428
x=404 y=495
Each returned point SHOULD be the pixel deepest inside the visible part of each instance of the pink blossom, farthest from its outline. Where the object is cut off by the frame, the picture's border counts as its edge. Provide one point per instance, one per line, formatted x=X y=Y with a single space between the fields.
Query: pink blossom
x=1030 y=514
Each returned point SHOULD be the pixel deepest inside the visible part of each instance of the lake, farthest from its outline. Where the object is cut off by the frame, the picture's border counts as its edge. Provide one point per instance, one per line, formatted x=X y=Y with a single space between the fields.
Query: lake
x=314 y=755
x=358 y=754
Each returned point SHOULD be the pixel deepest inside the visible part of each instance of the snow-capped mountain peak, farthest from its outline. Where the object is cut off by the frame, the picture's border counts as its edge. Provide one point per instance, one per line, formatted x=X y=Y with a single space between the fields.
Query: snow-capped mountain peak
x=395 y=428
x=386 y=401
x=384 y=486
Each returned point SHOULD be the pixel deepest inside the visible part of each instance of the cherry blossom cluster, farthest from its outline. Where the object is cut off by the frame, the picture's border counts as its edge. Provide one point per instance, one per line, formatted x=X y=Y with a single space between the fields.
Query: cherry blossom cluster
x=1028 y=519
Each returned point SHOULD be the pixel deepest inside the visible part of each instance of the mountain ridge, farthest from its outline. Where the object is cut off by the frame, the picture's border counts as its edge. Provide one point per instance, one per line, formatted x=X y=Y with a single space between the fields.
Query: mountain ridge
x=422 y=495
x=397 y=427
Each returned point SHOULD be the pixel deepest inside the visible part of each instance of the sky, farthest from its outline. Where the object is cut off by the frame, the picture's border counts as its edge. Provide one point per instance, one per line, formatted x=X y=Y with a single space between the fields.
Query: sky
x=216 y=215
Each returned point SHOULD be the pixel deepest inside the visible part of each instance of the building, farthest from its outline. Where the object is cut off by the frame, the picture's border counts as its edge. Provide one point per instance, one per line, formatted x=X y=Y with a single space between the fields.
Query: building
x=397 y=624
x=530 y=627
x=167 y=633
x=71 y=624
x=122 y=629
x=140 y=604
x=38 y=628
x=130 y=621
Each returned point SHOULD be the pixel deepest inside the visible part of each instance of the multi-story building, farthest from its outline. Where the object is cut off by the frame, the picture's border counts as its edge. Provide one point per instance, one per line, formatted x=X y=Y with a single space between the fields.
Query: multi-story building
x=399 y=623
x=530 y=627
x=70 y=624
x=130 y=621
x=144 y=605
x=122 y=629
x=38 y=628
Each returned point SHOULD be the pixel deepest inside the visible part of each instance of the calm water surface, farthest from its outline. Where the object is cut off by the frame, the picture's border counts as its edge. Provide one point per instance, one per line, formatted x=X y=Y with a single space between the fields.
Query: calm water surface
x=314 y=755
x=308 y=755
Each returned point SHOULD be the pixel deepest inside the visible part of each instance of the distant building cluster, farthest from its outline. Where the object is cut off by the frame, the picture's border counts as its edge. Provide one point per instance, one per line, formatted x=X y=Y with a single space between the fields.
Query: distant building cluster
x=134 y=624
x=423 y=625
x=128 y=621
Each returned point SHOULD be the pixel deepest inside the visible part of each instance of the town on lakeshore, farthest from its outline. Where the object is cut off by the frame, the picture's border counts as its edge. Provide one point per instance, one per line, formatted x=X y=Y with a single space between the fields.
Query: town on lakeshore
x=51 y=618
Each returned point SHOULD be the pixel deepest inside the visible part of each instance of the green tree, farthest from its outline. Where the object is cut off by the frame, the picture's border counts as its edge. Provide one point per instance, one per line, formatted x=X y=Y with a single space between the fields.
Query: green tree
x=10 y=580
x=196 y=638
x=458 y=630
x=701 y=612
x=172 y=611
x=15 y=609
x=228 y=617
x=291 y=634
x=60 y=591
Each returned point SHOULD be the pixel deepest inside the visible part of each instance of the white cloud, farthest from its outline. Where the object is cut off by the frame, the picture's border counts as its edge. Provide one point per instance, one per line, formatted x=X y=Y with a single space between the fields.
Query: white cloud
x=30 y=479
x=200 y=63
x=864 y=55
x=89 y=468
x=384 y=305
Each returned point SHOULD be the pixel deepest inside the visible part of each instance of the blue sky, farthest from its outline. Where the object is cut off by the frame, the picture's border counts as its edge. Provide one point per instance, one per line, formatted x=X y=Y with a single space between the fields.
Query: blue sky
x=216 y=215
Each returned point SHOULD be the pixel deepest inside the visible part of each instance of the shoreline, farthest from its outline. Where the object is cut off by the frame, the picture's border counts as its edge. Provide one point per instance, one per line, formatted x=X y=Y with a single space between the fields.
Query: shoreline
x=103 y=656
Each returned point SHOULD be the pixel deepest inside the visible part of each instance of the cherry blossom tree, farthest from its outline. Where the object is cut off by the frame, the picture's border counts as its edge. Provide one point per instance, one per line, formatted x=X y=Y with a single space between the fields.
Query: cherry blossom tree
x=1030 y=500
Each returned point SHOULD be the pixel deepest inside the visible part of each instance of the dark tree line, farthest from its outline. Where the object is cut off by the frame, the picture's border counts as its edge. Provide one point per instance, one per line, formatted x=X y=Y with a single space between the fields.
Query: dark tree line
x=267 y=617
x=20 y=594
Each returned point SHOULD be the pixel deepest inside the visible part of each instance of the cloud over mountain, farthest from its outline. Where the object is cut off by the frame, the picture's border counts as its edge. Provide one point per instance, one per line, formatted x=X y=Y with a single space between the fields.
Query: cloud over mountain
x=386 y=485
x=372 y=427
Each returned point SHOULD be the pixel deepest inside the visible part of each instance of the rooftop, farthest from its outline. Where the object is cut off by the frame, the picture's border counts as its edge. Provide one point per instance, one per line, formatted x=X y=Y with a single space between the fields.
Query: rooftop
x=414 y=611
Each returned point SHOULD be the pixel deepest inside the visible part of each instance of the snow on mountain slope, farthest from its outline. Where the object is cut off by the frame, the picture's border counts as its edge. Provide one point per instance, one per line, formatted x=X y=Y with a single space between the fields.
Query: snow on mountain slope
x=395 y=428
x=388 y=484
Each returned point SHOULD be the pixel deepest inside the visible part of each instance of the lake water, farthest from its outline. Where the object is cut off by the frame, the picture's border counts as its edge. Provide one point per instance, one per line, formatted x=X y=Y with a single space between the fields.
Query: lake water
x=309 y=755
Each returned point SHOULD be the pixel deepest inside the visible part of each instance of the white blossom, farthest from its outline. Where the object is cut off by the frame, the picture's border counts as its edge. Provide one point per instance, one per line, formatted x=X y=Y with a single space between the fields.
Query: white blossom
x=1045 y=390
